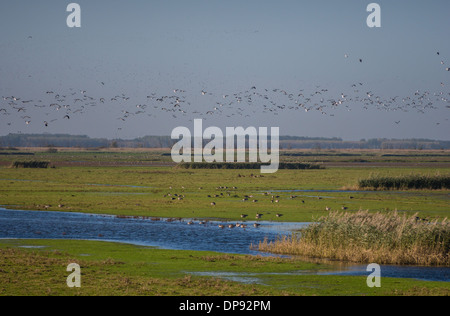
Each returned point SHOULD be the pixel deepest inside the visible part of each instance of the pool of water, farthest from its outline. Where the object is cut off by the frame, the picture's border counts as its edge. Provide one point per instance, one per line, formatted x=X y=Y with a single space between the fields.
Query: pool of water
x=178 y=235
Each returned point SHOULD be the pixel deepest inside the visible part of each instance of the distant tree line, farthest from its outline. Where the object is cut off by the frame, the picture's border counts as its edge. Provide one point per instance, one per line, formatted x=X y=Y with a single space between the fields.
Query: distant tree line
x=286 y=142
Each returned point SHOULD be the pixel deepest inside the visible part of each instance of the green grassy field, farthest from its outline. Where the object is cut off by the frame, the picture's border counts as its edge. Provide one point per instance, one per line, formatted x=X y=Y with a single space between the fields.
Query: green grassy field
x=121 y=183
x=144 y=191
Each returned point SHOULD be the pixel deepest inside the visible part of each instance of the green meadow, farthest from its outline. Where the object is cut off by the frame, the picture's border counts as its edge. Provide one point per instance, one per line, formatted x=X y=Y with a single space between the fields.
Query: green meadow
x=109 y=269
x=170 y=192
x=145 y=183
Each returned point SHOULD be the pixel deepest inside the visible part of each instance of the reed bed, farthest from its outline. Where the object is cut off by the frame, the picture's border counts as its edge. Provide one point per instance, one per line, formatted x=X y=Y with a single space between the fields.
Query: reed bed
x=363 y=237
x=30 y=164
x=249 y=165
x=418 y=182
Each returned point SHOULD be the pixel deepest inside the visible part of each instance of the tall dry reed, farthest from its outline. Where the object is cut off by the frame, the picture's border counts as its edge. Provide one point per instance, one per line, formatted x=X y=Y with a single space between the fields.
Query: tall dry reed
x=384 y=238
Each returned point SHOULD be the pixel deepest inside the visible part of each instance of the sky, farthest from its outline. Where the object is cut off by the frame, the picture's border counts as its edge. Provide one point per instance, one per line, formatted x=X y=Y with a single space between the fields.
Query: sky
x=137 y=68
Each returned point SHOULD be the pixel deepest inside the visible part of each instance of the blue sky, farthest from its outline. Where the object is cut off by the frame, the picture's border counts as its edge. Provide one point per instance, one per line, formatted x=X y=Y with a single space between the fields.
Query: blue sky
x=135 y=49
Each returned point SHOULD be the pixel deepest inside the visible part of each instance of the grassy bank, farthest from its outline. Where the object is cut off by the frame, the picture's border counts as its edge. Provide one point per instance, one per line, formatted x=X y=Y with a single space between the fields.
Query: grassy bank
x=38 y=267
x=384 y=238
x=407 y=182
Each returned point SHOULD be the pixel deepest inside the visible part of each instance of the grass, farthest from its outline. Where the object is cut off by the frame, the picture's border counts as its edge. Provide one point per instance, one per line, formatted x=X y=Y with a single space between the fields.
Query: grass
x=407 y=182
x=384 y=238
x=110 y=269
x=143 y=191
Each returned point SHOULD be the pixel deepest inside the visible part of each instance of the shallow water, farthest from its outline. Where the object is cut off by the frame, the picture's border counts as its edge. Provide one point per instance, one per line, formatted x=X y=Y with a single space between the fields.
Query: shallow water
x=388 y=271
x=178 y=235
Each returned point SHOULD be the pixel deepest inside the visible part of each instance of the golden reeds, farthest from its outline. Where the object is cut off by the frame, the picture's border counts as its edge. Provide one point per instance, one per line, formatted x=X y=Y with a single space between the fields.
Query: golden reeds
x=384 y=238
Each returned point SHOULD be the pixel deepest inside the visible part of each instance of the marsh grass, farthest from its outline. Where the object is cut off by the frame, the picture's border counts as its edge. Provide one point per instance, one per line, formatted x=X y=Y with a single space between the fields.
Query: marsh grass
x=408 y=182
x=384 y=238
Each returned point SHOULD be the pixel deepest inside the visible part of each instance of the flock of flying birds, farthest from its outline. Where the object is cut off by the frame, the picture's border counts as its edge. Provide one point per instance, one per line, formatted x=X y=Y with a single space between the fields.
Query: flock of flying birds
x=68 y=105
